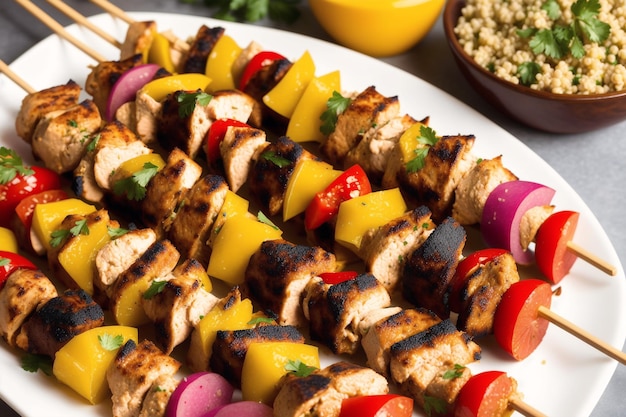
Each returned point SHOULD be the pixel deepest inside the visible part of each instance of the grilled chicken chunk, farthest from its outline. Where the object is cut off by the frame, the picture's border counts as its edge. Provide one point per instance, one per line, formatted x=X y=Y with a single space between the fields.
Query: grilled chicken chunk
x=368 y=109
x=373 y=151
x=482 y=293
x=133 y=372
x=474 y=188
x=271 y=171
x=102 y=77
x=430 y=267
x=530 y=222
x=230 y=347
x=277 y=274
x=418 y=359
x=335 y=311
x=139 y=36
x=444 y=388
x=320 y=394
x=386 y=249
x=58 y=320
x=23 y=292
x=192 y=225
x=84 y=183
x=234 y=104
x=36 y=105
x=445 y=164
x=157 y=397
x=166 y=190
x=243 y=59
x=118 y=255
x=61 y=137
x=170 y=308
x=145 y=116
x=201 y=47
x=239 y=149
x=385 y=333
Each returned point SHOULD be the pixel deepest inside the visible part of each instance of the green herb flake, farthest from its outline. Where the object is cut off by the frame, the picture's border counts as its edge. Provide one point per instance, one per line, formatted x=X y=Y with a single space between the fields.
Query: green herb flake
x=276 y=159
x=527 y=72
x=156 y=287
x=34 y=363
x=299 y=368
x=4 y=261
x=435 y=406
x=115 y=232
x=335 y=105
x=59 y=236
x=11 y=165
x=264 y=219
x=135 y=186
x=454 y=373
x=110 y=342
x=261 y=320
x=188 y=101
x=285 y=11
x=426 y=139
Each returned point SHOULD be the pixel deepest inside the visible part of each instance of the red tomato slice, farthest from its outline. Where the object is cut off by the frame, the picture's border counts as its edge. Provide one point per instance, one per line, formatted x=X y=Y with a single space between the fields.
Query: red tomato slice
x=10 y=262
x=384 y=405
x=333 y=278
x=257 y=62
x=26 y=207
x=484 y=395
x=22 y=186
x=551 y=253
x=352 y=183
x=465 y=268
x=517 y=326
x=216 y=134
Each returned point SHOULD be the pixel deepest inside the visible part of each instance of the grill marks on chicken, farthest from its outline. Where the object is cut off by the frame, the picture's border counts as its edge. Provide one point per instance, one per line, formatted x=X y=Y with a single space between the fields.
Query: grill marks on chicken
x=201 y=47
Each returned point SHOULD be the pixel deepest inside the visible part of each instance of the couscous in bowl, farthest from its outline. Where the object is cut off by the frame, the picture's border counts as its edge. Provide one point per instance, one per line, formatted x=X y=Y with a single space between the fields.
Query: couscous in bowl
x=555 y=112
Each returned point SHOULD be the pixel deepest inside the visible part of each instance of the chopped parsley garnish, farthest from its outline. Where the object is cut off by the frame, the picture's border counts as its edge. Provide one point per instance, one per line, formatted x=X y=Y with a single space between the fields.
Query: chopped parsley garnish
x=335 y=105
x=93 y=142
x=34 y=363
x=110 y=342
x=264 y=219
x=276 y=159
x=299 y=368
x=188 y=101
x=455 y=372
x=285 y=11
x=426 y=139
x=4 y=261
x=10 y=165
x=135 y=186
x=155 y=288
x=261 y=320
x=115 y=232
x=434 y=405
x=527 y=72
x=59 y=236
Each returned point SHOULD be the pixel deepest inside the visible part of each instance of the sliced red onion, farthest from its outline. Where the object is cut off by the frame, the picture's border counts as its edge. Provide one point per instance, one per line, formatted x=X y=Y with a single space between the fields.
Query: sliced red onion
x=126 y=87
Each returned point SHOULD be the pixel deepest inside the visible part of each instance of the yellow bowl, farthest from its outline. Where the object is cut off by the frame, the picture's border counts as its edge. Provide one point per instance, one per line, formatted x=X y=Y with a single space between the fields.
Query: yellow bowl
x=377 y=27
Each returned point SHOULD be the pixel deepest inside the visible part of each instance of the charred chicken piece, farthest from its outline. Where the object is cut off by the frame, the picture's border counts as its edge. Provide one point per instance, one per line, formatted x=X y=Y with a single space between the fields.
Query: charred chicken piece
x=278 y=273
x=239 y=149
x=58 y=320
x=335 y=311
x=430 y=267
x=201 y=47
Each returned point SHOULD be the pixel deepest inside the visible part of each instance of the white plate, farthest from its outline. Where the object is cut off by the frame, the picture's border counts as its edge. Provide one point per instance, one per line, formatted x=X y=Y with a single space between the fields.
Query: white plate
x=563 y=377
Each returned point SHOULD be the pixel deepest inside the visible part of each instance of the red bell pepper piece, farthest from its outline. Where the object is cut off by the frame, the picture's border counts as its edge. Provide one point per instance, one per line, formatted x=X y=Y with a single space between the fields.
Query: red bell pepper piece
x=333 y=278
x=26 y=207
x=10 y=262
x=216 y=134
x=257 y=62
x=383 y=405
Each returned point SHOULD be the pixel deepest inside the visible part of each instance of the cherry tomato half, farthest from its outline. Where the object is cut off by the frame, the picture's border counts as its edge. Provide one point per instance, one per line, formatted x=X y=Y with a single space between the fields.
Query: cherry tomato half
x=465 y=268
x=484 y=395
x=257 y=62
x=333 y=278
x=517 y=326
x=22 y=186
x=384 y=405
x=352 y=183
x=26 y=207
x=551 y=253
x=10 y=262
x=216 y=134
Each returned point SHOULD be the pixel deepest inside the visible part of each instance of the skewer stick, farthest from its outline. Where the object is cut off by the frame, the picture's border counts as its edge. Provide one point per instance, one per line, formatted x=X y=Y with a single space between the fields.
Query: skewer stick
x=592 y=259
x=58 y=29
x=15 y=78
x=583 y=335
x=81 y=20
x=113 y=10
x=524 y=408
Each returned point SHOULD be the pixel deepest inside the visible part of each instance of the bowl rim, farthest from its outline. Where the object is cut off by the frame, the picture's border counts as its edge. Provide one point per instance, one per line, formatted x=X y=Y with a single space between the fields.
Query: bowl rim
x=452 y=12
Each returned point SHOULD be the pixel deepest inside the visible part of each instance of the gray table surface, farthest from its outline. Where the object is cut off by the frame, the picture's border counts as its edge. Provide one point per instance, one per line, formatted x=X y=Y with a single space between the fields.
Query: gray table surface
x=592 y=163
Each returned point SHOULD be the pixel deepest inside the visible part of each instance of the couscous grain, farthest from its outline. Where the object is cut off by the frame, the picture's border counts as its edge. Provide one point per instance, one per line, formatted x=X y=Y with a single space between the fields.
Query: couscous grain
x=490 y=32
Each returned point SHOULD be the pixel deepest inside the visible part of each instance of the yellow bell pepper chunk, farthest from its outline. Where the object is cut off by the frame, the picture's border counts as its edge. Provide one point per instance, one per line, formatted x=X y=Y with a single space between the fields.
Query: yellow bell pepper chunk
x=357 y=215
x=269 y=360
x=240 y=235
x=284 y=97
x=234 y=205
x=220 y=62
x=136 y=164
x=408 y=142
x=159 y=89
x=308 y=178
x=305 y=122
x=82 y=363
x=47 y=217
x=79 y=252
x=159 y=53
x=8 y=241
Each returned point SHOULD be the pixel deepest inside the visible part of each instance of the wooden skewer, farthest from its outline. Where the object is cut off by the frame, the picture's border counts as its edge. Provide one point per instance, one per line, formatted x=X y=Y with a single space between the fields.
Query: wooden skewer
x=58 y=29
x=583 y=335
x=592 y=259
x=524 y=408
x=81 y=20
x=15 y=78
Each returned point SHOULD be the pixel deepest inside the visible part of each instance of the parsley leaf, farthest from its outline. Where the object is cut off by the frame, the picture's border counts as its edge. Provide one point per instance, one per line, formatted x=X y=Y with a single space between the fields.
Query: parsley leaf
x=527 y=72
x=253 y=10
x=34 y=363
x=110 y=342
x=155 y=288
x=115 y=232
x=434 y=405
x=187 y=102
x=551 y=7
x=264 y=219
x=261 y=320
x=454 y=373
x=299 y=368
x=276 y=159
x=4 y=261
x=335 y=105
x=10 y=165
x=135 y=186
x=60 y=235
x=426 y=139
